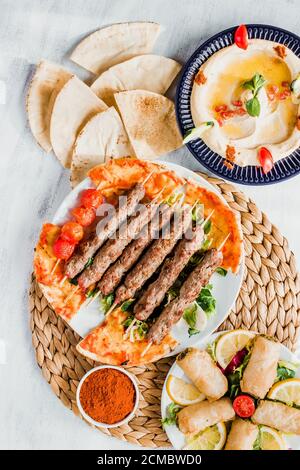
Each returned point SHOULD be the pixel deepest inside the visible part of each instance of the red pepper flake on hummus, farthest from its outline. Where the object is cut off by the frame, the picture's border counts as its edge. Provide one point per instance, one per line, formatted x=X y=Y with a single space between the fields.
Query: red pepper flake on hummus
x=200 y=78
x=280 y=51
x=230 y=157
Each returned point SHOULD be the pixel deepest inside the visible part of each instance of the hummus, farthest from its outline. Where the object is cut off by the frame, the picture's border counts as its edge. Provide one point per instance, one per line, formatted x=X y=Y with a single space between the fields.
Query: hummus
x=219 y=95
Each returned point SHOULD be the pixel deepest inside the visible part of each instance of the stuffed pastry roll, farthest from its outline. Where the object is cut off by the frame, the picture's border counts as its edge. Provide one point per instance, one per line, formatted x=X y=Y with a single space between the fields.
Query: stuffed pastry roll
x=196 y=418
x=242 y=435
x=261 y=371
x=203 y=372
x=277 y=415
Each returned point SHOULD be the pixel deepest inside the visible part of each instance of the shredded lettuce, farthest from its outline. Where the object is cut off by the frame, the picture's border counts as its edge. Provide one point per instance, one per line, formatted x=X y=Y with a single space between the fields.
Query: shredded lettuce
x=235 y=378
x=107 y=301
x=190 y=316
x=207 y=301
x=171 y=417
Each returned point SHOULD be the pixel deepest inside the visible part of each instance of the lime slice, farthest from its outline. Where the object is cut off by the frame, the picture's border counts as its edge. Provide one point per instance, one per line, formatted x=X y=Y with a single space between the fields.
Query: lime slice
x=230 y=343
x=212 y=438
x=183 y=393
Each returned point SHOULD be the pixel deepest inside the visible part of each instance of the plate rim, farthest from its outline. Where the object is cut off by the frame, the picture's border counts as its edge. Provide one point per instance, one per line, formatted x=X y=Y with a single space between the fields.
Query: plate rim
x=178 y=94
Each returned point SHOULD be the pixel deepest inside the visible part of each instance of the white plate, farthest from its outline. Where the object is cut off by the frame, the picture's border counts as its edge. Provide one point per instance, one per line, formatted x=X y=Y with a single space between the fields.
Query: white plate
x=225 y=289
x=175 y=436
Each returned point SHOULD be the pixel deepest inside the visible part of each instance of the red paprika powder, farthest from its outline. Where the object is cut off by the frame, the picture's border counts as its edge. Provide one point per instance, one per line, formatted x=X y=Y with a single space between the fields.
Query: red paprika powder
x=107 y=396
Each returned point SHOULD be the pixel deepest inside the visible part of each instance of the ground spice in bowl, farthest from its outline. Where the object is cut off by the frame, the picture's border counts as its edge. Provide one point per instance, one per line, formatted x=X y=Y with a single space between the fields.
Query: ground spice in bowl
x=107 y=396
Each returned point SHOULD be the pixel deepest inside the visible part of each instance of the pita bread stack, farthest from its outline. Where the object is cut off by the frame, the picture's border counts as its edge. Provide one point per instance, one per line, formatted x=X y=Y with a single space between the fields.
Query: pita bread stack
x=123 y=113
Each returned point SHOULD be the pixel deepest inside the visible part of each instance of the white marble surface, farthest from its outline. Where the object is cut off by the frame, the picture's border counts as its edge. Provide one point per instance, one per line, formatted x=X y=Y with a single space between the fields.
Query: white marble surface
x=33 y=184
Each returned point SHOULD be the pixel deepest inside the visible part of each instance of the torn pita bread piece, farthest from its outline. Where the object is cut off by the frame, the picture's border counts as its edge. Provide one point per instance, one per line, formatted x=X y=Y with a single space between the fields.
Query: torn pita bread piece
x=145 y=72
x=103 y=137
x=114 y=44
x=106 y=344
x=150 y=122
x=47 y=81
x=74 y=106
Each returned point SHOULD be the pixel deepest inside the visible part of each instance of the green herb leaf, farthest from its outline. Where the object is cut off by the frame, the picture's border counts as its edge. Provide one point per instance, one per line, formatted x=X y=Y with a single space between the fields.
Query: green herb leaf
x=107 y=301
x=207 y=301
x=128 y=321
x=171 y=417
x=284 y=373
x=206 y=244
x=92 y=292
x=223 y=272
x=126 y=305
x=89 y=262
x=196 y=132
x=253 y=107
x=207 y=227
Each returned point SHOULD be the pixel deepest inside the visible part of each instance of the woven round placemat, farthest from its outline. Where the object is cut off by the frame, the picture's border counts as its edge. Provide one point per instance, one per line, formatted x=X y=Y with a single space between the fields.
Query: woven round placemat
x=268 y=303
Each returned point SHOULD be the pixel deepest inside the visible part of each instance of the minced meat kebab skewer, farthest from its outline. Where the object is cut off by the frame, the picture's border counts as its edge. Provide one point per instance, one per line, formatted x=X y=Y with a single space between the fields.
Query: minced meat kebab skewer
x=113 y=276
x=171 y=268
x=87 y=248
x=189 y=291
x=152 y=259
x=112 y=249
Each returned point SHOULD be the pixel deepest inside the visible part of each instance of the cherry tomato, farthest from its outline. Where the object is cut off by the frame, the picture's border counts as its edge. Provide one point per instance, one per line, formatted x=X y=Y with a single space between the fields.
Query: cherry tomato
x=84 y=215
x=265 y=159
x=72 y=232
x=91 y=198
x=63 y=249
x=241 y=37
x=244 y=406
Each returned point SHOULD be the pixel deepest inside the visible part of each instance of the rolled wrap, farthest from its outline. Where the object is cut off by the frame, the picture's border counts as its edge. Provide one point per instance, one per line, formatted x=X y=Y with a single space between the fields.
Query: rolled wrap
x=261 y=371
x=196 y=418
x=242 y=435
x=277 y=415
x=203 y=372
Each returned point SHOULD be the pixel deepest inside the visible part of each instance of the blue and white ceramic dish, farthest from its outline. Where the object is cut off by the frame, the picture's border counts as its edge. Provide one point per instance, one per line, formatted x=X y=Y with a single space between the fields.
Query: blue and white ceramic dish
x=251 y=175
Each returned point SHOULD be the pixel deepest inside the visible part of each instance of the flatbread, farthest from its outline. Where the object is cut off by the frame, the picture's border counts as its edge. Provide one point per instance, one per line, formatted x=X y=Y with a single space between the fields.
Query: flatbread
x=103 y=137
x=46 y=83
x=150 y=122
x=145 y=72
x=106 y=344
x=75 y=104
x=114 y=44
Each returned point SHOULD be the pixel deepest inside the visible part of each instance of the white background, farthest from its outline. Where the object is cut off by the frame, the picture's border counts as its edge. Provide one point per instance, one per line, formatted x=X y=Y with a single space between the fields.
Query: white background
x=33 y=184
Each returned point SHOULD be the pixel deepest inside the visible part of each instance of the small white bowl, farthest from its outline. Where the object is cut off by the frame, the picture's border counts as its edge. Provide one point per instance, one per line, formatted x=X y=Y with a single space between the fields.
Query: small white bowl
x=105 y=425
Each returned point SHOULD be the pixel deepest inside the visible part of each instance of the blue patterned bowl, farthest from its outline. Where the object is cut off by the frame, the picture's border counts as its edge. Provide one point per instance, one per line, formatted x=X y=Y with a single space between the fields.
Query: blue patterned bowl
x=284 y=168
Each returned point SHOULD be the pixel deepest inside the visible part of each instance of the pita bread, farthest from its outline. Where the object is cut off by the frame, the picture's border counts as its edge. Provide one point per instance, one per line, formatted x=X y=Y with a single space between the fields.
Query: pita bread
x=106 y=344
x=114 y=44
x=47 y=81
x=102 y=137
x=75 y=104
x=145 y=72
x=150 y=122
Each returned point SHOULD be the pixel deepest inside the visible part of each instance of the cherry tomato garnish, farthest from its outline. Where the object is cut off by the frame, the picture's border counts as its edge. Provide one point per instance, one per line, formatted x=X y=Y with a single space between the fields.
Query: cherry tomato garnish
x=265 y=159
x=63 y=249
x=91 y=198
x=72 y=231
x=241 y=37
x=84 y=215
x=244 y=406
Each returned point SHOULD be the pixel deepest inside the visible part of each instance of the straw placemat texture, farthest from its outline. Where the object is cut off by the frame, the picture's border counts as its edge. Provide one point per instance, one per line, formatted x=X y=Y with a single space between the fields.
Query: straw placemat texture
x=268 y=303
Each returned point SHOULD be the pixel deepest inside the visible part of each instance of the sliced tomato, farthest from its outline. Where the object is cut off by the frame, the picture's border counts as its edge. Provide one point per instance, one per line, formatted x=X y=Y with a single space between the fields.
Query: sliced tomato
x=84 y=215
x=244 y=406
x=72 y=232
x=91 y=198
x=241 y=37
x=63 y=249
x=265 y=159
